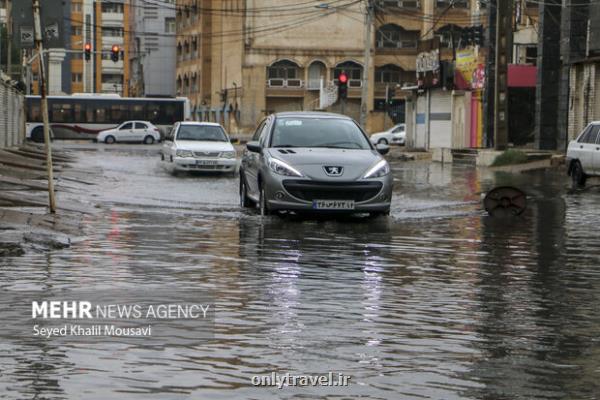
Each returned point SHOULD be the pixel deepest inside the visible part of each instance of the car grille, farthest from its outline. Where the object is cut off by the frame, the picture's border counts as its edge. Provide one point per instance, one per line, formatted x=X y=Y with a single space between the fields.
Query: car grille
x=207 y=154
x=311 y=190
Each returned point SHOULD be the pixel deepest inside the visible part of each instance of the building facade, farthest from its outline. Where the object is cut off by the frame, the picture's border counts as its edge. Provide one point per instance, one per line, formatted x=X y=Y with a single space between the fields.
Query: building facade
x=246 y=58
x=152 y=48
x=102 y=25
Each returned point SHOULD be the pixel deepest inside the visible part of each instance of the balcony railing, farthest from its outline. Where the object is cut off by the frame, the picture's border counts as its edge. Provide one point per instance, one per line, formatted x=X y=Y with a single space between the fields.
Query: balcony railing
x=285 y=83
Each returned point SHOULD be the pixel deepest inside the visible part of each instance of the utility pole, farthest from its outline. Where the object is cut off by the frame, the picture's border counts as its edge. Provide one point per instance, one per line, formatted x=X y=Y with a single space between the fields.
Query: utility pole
x=503 y=53
x=365 y=78
x=44 y=102
x=9 y=31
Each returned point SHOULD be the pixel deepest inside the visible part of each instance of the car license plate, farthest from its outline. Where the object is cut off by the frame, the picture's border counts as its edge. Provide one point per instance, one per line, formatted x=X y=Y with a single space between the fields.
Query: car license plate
x=206 y=162
x=333 y=204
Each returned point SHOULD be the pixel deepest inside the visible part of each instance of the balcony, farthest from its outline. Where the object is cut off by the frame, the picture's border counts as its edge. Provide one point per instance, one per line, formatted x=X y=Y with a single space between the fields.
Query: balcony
x=285 y=88
x=112 y=19
x=108 y=87
x=111 y=67
x=109 y=41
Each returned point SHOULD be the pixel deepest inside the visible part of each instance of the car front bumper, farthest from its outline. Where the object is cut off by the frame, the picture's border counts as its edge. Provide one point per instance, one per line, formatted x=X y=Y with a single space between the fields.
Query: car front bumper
x=210 y=164
x=297 y=194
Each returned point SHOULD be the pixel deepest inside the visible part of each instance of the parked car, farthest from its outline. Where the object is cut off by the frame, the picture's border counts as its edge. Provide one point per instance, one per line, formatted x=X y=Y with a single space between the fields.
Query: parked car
x=583 y=154
x=199 y=146
x=311 y=161
x=395 y=135
x=131 y=131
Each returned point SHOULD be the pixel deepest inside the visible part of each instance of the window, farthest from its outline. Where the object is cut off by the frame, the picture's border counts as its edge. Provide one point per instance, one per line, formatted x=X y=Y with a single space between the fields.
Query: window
x=112 y=32
x=389 y=74
x=318 y=132
x=137 y=111
x=395 y=37
x=112 y=8
x=118 y=112
x=126 y=127
x=61 y=112
x=590 y=135
x=401 y=3
x=170 y=25
x=352 y=69
x=76 y=7
x=258 y=131
x=76 y=30
x=139 y=125
x=443 y=4
x=283 y=69
x=77 y=78
x=112 y=78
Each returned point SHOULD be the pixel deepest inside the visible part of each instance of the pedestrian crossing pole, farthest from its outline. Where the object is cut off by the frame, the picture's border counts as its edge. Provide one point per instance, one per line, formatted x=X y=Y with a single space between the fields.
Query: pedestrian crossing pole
x=503 y=52
x=365 y=78
x=39 y=45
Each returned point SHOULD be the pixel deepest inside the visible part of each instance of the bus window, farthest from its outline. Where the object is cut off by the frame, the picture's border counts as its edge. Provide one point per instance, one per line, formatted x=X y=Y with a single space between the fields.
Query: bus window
x=79 y=112
x=34 y=113
x=118 y=113
x=170 y=116
x=101 y=114
x=153 y=113
x=62 y=112
x=89 y=113
x=137 y=111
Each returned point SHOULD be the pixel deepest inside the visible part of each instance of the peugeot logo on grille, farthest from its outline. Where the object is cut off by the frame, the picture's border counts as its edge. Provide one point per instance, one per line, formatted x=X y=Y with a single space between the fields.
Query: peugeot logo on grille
x=333 y=171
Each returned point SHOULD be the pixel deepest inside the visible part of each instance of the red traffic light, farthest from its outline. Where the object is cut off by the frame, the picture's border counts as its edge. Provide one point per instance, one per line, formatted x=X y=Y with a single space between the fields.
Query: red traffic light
x=115 y=48
x=115 y=53
x=88 y=47
x=343 y=78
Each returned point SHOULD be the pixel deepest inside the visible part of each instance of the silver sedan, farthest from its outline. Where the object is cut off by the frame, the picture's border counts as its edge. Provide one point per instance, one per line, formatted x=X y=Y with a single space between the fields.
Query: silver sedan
x=310 y=161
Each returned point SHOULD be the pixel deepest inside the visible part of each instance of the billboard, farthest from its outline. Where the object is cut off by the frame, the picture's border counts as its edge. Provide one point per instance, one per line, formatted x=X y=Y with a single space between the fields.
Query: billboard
x=52 y=16
x=428 y=63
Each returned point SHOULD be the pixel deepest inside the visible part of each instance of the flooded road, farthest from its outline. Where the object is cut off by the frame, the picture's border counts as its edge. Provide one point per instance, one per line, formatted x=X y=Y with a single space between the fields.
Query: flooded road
x=437 y=301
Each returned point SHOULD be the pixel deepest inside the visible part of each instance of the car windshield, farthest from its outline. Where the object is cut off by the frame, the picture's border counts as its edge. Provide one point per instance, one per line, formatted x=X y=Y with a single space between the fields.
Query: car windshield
x=201 y=132
x=318 y=132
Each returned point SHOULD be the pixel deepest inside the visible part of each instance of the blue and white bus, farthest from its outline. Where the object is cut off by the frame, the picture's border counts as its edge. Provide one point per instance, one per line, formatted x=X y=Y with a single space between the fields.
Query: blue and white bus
x=82 y=116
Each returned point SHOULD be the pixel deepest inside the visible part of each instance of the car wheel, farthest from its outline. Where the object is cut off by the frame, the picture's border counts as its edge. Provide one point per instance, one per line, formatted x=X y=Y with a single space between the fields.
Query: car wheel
x=382 y=141
x=264 y=207
x=109 y=139
x=38 y=135
x=148 y=140
x=245 y=202
x=577 y=175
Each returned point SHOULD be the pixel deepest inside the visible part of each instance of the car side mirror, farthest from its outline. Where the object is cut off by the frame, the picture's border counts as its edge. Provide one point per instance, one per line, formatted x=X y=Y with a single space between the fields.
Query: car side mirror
x=254 y=147
x=382 y=149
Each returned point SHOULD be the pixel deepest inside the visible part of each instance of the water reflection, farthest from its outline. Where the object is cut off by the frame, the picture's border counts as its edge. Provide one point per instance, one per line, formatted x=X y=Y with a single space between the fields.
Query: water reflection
x=438 y=301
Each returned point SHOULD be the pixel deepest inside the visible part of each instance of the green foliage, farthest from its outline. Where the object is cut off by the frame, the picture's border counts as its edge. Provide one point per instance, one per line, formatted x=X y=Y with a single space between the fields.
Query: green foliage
x=510 y=157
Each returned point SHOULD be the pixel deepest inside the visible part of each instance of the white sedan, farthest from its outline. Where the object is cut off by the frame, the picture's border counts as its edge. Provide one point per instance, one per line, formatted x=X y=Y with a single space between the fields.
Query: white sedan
x=131 y=131
x=583 y=155
x=198 y=146
x=395 y=135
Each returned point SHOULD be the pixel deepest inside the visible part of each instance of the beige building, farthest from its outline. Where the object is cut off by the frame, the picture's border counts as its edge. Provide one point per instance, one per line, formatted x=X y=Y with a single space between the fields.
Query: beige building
x=238 y=60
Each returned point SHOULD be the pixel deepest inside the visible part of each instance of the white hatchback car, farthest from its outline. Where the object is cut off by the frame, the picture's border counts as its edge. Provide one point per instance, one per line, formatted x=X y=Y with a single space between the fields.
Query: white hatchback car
x=199 y=146
x=131 y=131
x=395 y=135
x=583 y=154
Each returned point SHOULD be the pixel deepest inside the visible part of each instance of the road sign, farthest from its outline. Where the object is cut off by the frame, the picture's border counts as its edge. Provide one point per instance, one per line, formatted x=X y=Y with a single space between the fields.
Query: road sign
x=52 y=23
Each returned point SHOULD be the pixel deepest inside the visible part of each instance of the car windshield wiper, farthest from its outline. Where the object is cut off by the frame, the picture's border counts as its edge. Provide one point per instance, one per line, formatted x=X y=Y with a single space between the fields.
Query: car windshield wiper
x=286 y=145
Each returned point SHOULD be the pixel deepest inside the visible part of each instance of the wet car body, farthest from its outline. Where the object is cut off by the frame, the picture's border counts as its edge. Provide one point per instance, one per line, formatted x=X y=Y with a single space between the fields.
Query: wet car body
x=209 y=151
x=314 y=178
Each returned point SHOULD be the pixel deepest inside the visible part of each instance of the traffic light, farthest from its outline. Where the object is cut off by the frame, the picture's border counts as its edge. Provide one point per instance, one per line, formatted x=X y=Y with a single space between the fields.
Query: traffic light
x=114 y=53
x=343 y=86
x=87 y=49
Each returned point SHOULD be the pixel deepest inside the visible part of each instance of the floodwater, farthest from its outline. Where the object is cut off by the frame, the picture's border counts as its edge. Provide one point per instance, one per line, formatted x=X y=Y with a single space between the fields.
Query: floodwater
x=437 y=301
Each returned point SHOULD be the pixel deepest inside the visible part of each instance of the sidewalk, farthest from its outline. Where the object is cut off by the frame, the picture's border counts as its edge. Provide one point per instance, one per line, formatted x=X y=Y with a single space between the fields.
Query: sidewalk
x=26 y=223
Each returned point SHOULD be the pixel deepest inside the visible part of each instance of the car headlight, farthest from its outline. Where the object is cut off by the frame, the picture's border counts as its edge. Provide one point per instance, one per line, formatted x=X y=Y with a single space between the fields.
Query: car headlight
x=281 y=168
x=184 y=153
x=381 y=168
x=228 y=154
